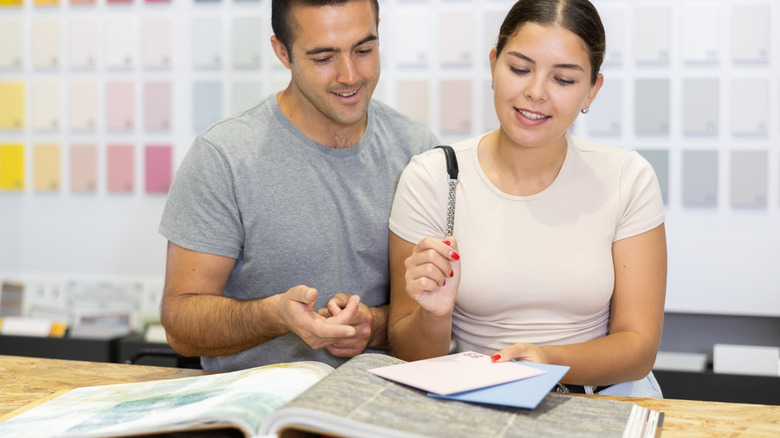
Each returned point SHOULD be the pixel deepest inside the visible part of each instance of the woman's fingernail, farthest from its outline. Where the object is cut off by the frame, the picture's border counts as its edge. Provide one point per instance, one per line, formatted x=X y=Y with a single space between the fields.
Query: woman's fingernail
x=454 y=255
x=446 y=242
x=445 y=283
x=495 y=357
x=452 y=273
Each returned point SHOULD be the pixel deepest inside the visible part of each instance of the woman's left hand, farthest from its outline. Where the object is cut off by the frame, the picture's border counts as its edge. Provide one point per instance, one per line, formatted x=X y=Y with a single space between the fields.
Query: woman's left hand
x=521 y=352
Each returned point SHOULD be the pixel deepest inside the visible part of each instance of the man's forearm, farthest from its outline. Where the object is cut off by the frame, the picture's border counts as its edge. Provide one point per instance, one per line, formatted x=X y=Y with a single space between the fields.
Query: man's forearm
x=379 y=338
x=211 y=325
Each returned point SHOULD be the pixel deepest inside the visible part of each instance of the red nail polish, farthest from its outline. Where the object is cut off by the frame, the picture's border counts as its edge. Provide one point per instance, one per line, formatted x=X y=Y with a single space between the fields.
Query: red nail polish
x=446 y=242
x=452 y=273
x=495 y=357
x=445 y=283
x=454 y=255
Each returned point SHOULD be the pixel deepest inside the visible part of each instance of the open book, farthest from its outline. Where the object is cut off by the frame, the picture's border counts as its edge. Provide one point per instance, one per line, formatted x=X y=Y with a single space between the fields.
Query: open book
x=308 y=399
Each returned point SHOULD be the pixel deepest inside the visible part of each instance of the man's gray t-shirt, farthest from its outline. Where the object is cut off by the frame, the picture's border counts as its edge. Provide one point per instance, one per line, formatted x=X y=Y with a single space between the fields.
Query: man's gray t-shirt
x=292 y=211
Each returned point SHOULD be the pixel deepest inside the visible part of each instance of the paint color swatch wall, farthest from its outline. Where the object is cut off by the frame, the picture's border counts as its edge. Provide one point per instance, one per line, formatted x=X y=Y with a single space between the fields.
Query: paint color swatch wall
x=100 y=100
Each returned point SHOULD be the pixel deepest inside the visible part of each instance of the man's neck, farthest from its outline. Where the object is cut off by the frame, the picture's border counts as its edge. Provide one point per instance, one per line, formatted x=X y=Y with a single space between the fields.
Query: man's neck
x=318 y=127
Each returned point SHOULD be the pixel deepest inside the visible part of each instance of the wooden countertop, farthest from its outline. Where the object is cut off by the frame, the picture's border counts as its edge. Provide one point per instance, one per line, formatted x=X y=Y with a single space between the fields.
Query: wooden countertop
x=25 y=380
x=691 y=418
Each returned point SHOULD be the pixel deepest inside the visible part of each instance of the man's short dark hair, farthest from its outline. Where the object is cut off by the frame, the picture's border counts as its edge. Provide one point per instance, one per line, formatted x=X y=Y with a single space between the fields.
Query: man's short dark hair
x=283 y=24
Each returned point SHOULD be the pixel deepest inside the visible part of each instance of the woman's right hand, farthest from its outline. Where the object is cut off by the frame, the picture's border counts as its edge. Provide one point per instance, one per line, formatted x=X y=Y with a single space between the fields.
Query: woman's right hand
x=433 y=275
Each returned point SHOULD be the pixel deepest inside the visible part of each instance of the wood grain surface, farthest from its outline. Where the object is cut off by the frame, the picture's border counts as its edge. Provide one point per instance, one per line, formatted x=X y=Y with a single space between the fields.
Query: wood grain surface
x=24 y=380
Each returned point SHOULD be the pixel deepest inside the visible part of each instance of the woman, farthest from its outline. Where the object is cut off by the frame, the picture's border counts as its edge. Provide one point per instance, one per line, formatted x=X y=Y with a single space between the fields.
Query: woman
x=558 y=253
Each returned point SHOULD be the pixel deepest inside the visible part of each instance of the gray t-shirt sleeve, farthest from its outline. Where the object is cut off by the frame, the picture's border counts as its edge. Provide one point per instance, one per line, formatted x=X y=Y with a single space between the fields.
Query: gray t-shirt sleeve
x=201 y=213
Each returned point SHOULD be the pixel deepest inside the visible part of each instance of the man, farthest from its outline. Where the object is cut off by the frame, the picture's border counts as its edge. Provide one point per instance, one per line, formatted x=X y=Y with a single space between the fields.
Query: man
x=277 y=218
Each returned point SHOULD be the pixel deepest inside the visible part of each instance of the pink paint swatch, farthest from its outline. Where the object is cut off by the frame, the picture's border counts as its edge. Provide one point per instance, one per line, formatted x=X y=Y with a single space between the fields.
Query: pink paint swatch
x=455 y=106
x=120 y=106
x=159 y=168
x=157 y=106
x=121 y=168
x=83 y=168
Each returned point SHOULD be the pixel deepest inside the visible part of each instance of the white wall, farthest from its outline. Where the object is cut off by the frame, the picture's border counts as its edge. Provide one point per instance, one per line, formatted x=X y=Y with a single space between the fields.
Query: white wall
x=723 y=206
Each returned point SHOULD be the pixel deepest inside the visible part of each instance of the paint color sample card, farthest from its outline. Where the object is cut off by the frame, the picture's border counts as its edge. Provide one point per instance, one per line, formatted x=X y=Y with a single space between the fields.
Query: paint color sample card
x=207 y=43
x=157 y=106
x=700 y=106
x=46 y=167
x=46 y=103
x=749 y=179
x=159 y=168
x=245 y=95
x=83 y=168
x=455 y=373
x=659 y=159
x=749 y=106
x=651 y=106
x=46 y=44
x=120 y=106
x=613 y=20
x=524 y=393
x=11 y=106
x=120 y=37
x=412 y=99
x=658 y=23
x=11 y=45
x=750 y=33
x=4 y=3
x=455 y=38
x=11 y=167
x=83 y=106
x=701 y=33
x=46 y=2
x=605 y=116
x=157 y=43
x=700 y=178
x=455 y=106
x=83 y=44
x=247 y=42
x=121 y=168
x=206 y=104
x=413 y=32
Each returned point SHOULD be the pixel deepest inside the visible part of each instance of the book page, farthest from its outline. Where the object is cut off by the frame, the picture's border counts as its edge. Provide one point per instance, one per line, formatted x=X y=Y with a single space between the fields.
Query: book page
x=353 y=402
x=241 y=398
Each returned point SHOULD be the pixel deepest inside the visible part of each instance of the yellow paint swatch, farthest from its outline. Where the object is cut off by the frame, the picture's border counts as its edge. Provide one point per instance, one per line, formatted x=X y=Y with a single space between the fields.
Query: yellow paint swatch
x=46 y=167
x=46 y=2
x=11 y=105
x=11 y=3
x=12 y=167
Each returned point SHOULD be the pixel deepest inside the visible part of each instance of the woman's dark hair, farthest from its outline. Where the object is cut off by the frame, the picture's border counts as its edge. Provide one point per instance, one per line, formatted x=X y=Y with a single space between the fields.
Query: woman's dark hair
x=282 y=24
x=578 y=16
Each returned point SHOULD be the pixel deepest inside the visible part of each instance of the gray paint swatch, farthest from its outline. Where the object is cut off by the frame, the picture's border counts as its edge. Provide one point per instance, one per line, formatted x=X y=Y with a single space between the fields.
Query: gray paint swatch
x=701 y=104
x=749 y=178
x=651 y=106
x=700 y=178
